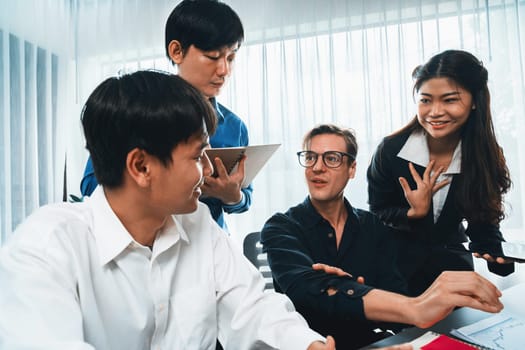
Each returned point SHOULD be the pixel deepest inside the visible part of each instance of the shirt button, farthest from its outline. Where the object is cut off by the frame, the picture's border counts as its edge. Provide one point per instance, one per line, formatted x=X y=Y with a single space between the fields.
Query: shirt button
x=350 y=292
x=330 y=235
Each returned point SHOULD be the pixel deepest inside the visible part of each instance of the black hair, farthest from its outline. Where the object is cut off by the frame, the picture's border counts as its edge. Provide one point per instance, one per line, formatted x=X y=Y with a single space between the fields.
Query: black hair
x=149 y=110
x=206 y=24
x=484 y=173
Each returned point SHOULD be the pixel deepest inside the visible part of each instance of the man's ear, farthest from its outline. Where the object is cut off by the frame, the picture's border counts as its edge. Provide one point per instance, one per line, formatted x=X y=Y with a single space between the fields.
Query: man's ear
x=352 y=169
x=175 y=51
x=138 y=167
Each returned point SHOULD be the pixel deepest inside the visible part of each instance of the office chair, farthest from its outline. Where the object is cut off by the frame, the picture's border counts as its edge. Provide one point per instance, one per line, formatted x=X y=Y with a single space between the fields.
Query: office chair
x=252 y=249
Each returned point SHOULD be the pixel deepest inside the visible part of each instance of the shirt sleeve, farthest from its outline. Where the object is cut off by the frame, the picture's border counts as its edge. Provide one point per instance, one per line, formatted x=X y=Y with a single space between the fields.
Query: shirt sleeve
x=246 y=200
x=38 y=299
x=487 y=238
x=291 y=266
x=385 y=196
x=389 y=278
x=248 y=316
x=243 y=205
x=89 y=181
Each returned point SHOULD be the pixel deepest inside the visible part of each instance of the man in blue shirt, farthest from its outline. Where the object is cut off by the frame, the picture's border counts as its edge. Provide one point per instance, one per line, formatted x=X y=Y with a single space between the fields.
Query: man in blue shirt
x=202 y=38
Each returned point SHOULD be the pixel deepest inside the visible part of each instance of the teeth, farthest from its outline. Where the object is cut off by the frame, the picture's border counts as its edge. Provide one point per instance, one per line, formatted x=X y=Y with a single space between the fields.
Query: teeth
x=436 y=123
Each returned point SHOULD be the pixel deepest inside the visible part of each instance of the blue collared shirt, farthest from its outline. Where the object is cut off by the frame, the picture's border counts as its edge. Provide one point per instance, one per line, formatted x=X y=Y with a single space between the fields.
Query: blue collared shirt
x=231 y=132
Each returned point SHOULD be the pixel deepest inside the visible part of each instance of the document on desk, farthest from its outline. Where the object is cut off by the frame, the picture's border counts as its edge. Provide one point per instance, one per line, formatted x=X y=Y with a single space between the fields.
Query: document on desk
x=256 y=158
x=503 y=331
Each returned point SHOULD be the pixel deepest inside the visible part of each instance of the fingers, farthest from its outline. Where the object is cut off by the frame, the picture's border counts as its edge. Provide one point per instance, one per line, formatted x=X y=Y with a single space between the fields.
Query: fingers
x=470 y=289
x=452 y=289
x=405 y=346
x=490 y=258
x=240 y=167
x=415 y=174
x=361 y=280
x=330 y=343
x=404 y=184
x=220 y=168
x=330 y=270
x=428 y=177
x=499 y=259
x=440 y=185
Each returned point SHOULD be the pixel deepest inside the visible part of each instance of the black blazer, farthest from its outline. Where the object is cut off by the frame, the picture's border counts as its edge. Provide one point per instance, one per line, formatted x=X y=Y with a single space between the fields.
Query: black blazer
x=419 y=239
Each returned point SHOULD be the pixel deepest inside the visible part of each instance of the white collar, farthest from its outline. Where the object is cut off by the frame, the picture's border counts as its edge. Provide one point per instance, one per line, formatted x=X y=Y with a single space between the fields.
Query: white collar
x=415 y=150
x=112 y=238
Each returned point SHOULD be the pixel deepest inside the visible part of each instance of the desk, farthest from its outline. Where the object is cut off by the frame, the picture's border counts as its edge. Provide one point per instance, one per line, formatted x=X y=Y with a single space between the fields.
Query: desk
x=512 y=300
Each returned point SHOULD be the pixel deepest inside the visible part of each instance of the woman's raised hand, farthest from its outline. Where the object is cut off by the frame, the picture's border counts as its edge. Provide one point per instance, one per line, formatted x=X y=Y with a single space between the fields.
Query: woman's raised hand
x=420 y=198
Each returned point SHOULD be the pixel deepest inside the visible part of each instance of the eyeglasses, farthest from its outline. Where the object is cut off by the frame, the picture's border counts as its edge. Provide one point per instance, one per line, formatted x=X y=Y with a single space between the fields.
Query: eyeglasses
x=332 y=159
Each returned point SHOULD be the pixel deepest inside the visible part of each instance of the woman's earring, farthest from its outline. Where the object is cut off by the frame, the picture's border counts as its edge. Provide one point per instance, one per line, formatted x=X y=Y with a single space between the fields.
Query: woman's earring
x=473 y=107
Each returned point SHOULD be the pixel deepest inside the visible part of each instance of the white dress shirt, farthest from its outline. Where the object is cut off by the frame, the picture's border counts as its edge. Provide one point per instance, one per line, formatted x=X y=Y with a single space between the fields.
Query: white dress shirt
x=72 y=277
x=415 y=150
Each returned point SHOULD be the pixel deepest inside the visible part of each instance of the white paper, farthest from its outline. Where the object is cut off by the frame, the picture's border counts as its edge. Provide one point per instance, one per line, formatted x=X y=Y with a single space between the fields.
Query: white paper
x=502 y=331
x=423 y=340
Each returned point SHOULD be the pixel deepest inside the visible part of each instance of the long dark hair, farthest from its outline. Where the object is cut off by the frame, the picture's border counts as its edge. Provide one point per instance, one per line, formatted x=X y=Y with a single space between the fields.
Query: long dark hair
x=485 y=176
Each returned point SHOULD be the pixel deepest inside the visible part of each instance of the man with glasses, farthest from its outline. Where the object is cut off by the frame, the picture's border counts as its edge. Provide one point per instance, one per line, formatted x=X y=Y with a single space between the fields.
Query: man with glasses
x=335 y=262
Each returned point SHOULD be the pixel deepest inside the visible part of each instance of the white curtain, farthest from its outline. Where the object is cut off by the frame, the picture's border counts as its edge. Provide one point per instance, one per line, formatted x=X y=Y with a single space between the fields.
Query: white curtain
x=33 y=103
x=303 y=62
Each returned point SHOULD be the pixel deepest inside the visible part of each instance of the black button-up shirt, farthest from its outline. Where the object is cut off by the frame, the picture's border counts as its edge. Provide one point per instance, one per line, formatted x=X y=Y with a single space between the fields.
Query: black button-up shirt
x=301 y=237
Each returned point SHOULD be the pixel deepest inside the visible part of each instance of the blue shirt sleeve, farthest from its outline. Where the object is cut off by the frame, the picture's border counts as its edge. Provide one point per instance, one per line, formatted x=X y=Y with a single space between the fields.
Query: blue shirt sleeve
x=246 y=200
x=243 y=205
x=89 y=181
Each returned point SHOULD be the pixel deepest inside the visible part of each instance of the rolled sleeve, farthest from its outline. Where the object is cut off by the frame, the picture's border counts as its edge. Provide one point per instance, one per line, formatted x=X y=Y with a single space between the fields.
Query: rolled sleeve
x=291 y=267
x=487 y=238
x=243 y=205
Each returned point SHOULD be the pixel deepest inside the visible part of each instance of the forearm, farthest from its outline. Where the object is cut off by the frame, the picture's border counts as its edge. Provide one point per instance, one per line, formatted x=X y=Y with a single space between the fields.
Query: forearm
x=310 y=290
x=381 y=195
x=487 y=237
x=334 y=298
x=247 y=316
x=383 y=306
x=449 y=290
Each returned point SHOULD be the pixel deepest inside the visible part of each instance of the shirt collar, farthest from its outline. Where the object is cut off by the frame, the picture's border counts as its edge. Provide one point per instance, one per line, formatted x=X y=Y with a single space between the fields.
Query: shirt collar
x=415 y=150
x=112 y=238
x=170 y=234
x=312 y=217
x=217 y=109
x=110 y=235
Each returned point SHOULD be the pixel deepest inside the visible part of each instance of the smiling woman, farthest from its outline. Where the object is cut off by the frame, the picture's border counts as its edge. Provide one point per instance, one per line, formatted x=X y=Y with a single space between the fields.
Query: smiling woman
x=443 y=168
x=442 y=110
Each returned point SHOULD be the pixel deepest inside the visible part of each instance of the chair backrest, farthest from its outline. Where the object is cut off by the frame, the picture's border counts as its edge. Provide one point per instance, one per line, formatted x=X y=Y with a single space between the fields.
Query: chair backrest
x=253 y=251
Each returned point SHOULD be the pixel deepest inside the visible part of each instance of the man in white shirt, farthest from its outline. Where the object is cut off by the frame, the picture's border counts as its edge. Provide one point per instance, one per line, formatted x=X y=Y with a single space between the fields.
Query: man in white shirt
x=141 y=264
